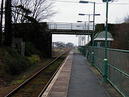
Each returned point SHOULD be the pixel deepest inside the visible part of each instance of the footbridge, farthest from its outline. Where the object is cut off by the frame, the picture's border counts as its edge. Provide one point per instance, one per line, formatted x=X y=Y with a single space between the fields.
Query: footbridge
x=70 y=28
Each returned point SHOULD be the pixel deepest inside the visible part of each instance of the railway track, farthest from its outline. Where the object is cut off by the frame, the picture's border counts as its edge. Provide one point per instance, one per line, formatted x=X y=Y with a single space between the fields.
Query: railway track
x=37 y=83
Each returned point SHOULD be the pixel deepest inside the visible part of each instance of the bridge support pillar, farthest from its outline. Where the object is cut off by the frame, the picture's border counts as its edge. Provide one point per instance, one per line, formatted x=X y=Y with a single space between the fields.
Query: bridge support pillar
x=47 y=45
x=50 y=45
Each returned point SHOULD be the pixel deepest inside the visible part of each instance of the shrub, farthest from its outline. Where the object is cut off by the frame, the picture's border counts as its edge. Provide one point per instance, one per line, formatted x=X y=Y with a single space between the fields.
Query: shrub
x=13 y=62
x=34 y=59
x=17 y=65
x=30 y=49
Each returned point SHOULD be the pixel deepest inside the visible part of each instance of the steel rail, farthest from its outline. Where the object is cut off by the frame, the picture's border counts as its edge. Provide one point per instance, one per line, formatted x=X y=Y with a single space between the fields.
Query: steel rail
x=33 y=76
x=43 y=90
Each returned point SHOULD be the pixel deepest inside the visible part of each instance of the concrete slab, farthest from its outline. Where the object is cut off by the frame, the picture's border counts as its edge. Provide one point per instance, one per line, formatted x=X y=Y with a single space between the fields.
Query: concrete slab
x=59 y=85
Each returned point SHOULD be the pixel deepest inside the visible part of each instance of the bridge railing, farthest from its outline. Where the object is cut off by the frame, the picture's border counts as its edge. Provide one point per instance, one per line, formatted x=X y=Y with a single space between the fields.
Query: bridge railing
x=118 y=66
x=70 y=26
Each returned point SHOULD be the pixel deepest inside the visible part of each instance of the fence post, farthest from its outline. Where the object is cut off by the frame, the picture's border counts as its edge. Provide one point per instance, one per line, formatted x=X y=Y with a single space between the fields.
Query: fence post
x=106 y=45
x=92 y=58
x=105 y=70
x=92 y=54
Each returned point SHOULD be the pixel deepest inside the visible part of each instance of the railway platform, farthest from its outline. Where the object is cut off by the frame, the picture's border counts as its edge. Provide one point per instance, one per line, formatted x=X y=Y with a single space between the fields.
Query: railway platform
x=76 y=79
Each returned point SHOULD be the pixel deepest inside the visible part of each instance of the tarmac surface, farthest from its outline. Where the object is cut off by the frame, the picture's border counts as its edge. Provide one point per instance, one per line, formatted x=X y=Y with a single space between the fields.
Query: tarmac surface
x=83 y=82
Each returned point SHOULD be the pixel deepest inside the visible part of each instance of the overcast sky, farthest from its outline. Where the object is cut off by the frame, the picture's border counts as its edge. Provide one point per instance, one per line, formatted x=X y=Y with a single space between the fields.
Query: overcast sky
x=67 y=11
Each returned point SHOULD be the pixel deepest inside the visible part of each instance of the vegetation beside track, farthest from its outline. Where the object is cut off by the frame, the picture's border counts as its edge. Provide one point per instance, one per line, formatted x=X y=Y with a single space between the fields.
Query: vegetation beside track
x=34 y=86
x=9 y=81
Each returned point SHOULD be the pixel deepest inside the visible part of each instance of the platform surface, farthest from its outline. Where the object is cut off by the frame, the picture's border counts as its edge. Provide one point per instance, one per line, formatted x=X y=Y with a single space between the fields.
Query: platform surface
x=83 y=82
x=59 y=85
x=75 y=79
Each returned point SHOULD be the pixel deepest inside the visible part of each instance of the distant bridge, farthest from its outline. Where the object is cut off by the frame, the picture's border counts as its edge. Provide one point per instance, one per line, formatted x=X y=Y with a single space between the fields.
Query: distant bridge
x=70 y=28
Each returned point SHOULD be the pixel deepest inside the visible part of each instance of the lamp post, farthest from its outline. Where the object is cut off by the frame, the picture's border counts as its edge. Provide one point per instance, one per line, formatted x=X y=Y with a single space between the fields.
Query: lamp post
x=92 y=35
x=92 y=40
x=88 y=18
x=87 y=26
x=105 y=73
x=84 y=28
x=84 y=24
x=89 y=15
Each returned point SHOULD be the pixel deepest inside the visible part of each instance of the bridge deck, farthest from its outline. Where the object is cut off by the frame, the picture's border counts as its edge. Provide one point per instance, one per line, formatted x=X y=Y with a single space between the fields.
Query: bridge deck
x=76 y=79
x=70 y=28
x=69 y=31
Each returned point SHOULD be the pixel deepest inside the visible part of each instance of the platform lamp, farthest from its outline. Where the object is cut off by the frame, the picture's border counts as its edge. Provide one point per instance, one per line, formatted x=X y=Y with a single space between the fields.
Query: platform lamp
x=92 y=39
x=84 y=28
x=84 y=2
x=84 y=24
x=87 y=27
x=89 y=15
x=105 y=71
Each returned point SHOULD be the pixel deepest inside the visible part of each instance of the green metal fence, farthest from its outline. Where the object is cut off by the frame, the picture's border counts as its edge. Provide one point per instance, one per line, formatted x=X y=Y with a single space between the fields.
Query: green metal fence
x=118 y=66
x=82 y=49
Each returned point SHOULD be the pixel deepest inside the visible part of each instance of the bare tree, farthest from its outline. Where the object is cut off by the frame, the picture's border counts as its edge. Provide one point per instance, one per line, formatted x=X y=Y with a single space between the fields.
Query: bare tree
x=1 y=21
x=38 y=9
x=8 y=23
x=126 y=19
x=41 y=9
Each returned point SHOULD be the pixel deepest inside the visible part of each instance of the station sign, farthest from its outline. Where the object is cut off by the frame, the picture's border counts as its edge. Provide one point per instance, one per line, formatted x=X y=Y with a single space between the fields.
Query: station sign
x=106 y=0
